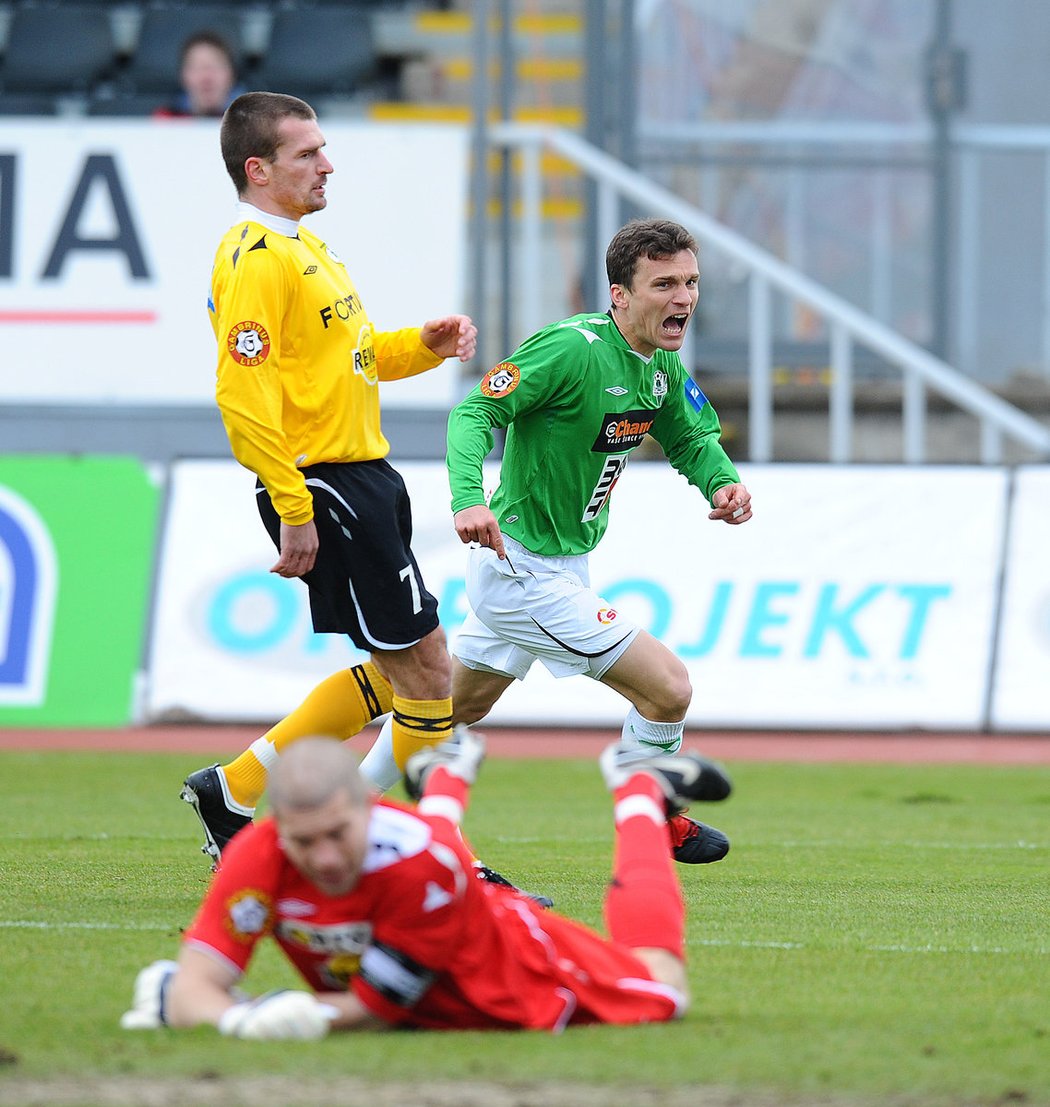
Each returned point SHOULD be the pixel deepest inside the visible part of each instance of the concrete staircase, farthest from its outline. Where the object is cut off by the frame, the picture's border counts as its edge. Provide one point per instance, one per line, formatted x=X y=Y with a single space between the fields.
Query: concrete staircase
x=435 y=57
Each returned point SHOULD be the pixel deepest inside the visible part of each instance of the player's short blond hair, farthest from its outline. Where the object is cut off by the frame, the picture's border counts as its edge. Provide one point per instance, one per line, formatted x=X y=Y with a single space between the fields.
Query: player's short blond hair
x=310 y=772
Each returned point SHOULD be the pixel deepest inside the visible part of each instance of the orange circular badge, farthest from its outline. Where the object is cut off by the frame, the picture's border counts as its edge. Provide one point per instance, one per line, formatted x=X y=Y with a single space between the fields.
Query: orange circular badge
x=248 y=343
x=500 y=381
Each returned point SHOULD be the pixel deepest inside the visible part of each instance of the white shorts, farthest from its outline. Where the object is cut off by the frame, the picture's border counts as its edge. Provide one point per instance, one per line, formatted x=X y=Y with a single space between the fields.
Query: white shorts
x=531 y=607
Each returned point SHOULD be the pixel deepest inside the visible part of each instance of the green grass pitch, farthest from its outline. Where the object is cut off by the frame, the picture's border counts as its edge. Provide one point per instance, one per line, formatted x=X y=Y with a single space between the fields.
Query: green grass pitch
x=877 y=931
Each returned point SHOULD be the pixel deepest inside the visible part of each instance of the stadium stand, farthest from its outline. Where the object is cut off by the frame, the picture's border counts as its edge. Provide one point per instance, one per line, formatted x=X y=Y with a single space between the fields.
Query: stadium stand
x=154 y=64
x=121 y=57
x=52 y=50
x=318 y=50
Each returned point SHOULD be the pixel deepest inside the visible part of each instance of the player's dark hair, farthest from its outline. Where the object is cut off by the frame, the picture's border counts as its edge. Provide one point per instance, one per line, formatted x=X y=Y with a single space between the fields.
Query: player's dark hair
x=208 y=38
x=649 y=238
x=249 y=130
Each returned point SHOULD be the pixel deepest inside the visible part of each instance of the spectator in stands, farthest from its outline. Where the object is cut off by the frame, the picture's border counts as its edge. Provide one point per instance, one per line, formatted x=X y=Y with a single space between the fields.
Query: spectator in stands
x=208 y=76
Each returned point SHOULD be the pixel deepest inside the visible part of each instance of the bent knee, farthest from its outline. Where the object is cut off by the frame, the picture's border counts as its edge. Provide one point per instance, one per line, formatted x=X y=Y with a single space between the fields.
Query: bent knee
x=475 y=692
x=468 y=712
x=675 y=694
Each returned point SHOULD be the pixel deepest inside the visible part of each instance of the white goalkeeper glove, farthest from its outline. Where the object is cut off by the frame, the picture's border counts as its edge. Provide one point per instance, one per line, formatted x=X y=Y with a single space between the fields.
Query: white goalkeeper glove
x=281 y=1014
x=150 y=997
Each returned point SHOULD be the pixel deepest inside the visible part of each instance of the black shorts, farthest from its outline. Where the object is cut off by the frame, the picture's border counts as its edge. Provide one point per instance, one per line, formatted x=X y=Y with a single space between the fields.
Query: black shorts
x=365 y=581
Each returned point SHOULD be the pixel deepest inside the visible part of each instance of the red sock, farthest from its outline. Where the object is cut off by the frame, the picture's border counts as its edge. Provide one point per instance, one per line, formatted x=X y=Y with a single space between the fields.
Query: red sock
x=445 y=795
x=643 y=906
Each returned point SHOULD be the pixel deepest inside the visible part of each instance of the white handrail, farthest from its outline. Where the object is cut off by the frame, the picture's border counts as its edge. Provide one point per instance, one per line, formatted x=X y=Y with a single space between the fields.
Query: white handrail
x=849 y=324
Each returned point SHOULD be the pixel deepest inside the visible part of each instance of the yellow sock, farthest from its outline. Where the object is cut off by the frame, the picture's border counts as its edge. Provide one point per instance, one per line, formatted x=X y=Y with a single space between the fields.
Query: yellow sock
x=419 y=723
x=338 y=707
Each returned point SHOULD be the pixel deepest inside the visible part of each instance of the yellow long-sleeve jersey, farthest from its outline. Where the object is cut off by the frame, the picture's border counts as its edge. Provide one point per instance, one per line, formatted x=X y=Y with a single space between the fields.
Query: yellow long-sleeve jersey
x=298 y=360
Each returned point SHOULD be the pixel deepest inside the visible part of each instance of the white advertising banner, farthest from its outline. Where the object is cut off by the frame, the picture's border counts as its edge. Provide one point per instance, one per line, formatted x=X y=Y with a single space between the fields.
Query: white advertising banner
x=108 y=230
x=1022 y=672
x=857 y=597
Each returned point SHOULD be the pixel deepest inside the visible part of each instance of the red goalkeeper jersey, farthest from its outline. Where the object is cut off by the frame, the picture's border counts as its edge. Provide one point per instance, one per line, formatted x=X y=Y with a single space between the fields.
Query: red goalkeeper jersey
x=420 y=940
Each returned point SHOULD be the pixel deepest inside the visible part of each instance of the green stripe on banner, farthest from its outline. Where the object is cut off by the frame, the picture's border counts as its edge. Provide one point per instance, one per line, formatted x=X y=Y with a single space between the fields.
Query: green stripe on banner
x=77 y=540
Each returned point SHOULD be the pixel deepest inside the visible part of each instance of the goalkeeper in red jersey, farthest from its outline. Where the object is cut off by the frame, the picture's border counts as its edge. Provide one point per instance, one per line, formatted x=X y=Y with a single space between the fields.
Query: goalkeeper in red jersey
x=375 y=906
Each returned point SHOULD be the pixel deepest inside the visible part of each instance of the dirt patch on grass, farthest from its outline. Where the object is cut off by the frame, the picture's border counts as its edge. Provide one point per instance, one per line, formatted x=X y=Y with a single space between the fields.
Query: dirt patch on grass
x=138 y=1091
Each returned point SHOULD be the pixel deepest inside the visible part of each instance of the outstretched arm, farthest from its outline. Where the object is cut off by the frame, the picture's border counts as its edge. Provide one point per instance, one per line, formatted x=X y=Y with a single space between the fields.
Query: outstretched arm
x=201 y=991
x=732 y=504
x=450 y=336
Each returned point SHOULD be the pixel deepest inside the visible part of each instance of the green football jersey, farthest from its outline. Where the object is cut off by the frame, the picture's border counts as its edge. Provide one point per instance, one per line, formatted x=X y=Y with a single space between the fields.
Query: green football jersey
x=577 y=401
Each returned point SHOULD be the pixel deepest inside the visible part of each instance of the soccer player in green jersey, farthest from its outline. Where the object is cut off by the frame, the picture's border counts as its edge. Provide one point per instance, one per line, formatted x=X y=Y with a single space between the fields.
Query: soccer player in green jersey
x=577 y=399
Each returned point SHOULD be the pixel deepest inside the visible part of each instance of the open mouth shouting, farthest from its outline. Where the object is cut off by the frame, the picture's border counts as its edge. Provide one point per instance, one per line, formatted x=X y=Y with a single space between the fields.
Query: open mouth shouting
x=674 y=325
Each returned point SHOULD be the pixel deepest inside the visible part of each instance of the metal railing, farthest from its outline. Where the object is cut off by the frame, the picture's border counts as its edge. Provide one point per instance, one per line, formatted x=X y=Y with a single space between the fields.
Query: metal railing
x=847 y=325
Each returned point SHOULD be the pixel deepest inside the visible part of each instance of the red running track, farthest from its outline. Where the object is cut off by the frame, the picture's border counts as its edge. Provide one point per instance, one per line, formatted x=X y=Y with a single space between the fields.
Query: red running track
x=900 y=747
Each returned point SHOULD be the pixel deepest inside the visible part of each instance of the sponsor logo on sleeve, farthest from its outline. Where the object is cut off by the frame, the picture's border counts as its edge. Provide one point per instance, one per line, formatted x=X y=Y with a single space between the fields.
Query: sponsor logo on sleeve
x=248 y=343
x=695 y=398
x=500 y=381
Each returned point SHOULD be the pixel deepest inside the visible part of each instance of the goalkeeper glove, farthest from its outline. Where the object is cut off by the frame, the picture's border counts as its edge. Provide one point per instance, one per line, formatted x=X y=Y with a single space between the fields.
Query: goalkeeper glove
x=150 y=998
x=280 y=1014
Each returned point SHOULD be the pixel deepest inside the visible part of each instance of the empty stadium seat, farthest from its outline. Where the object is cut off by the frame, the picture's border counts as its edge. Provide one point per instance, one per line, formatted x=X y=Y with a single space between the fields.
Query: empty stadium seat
x=54 y=49
x=318 y=51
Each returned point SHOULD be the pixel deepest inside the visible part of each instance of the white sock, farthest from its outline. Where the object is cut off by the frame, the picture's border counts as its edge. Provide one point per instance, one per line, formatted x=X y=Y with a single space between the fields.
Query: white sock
x=642 y=737
x=378 y=766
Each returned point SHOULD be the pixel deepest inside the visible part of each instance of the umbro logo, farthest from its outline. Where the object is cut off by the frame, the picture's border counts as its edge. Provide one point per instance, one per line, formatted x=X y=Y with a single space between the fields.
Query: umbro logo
x=617 y=390
x=310 y=269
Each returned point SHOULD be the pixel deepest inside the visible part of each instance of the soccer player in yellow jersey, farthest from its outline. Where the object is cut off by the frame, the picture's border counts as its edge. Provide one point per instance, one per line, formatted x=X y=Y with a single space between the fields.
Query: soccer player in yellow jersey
x=298 y=368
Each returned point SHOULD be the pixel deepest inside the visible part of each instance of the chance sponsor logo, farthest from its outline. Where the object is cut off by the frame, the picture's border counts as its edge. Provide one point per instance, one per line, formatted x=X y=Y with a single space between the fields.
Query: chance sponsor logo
x=607 y=615
x=248 y=343
x=500 y=381
x=622 y=430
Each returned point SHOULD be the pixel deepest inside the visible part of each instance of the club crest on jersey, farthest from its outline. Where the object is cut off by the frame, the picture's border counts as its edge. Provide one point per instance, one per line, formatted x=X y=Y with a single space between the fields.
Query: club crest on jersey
x=659 y=385
x=500 y=381
x=248 y=343
x=248 y=913
x=607 y=615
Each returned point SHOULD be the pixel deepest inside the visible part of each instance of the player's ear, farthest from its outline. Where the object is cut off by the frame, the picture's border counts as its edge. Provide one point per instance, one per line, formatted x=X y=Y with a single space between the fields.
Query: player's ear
x=257 y=171
x=619 y=295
